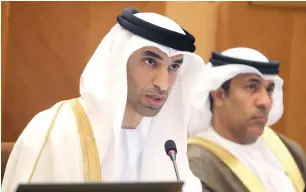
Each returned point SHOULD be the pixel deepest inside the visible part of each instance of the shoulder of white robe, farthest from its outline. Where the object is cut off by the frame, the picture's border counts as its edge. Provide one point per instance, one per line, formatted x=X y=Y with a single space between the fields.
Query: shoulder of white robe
x=26 y=149
x=192 y=184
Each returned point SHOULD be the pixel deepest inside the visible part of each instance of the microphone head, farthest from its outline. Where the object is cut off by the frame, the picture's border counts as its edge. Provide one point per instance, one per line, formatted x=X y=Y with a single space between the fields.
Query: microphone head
x=170 y=146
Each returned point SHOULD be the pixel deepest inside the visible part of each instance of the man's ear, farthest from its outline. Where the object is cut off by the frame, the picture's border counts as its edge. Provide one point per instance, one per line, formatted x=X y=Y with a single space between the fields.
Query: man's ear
x=218 y=97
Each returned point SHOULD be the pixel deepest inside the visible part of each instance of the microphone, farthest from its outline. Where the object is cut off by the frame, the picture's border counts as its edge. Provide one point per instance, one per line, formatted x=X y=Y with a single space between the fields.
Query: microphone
x=171 y=151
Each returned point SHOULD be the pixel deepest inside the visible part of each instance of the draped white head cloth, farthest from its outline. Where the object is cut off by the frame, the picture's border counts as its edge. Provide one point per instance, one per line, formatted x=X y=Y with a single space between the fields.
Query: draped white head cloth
x=214 y=76
x=104 y=94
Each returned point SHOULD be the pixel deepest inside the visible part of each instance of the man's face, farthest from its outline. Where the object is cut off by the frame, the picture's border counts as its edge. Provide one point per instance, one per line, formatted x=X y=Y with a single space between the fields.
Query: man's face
x=150 y=77
x=246 y=107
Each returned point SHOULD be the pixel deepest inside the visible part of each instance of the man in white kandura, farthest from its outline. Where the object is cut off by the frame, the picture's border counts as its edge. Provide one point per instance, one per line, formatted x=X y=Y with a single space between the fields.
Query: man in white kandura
x=231 y=148
x=117 y=129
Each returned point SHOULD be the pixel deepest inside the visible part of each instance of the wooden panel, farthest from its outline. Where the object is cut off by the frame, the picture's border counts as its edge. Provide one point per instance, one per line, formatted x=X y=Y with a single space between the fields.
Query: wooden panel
x=283 y=4
x=5 y=14
x=50 y=44
x=45 y=55
x=296 y=105
x=200 y=19
x=279 y=34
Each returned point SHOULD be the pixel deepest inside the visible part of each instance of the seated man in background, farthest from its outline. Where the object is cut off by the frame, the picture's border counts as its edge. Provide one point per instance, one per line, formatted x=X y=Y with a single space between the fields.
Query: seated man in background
x=230 y=148
x=117 y=129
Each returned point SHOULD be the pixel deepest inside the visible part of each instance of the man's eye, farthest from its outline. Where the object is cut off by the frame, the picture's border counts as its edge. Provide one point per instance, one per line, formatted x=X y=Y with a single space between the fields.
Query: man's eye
x=150 y=61
x=270 y=90
x=251 y=87
x=174 y=67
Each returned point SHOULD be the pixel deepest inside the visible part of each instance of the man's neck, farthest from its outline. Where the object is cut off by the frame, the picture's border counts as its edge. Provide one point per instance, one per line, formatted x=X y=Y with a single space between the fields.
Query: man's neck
x=131 y=118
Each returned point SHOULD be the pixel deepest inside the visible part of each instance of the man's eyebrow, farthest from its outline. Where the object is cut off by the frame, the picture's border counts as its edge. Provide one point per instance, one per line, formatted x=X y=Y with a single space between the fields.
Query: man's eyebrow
x=254 y=80
x=178 y=61
x=148 y=53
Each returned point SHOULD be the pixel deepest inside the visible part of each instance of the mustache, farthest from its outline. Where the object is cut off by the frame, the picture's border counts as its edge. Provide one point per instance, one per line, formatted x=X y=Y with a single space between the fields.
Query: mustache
x=261 y=113
x=156 y=91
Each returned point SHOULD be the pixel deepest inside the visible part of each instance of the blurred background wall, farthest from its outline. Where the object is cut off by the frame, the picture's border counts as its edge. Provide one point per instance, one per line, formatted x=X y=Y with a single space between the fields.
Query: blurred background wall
x=46 y=45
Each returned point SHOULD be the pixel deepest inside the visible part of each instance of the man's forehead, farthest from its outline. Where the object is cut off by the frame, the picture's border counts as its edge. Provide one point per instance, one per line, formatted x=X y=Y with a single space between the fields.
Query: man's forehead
x=248 y=76
x=251 y=76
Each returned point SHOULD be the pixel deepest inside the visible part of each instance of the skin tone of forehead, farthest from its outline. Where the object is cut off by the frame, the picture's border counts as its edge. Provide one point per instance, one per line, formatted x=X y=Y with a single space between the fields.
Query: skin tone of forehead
x=241 y=114
x=150 y=77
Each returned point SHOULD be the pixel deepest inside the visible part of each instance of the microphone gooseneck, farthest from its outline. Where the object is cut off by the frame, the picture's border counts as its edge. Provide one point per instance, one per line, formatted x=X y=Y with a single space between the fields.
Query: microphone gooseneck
x=171 y=151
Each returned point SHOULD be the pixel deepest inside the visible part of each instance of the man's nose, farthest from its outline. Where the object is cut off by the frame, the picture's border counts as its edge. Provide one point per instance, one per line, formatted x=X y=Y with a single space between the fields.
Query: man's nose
x=264 y=101
x=160 y=80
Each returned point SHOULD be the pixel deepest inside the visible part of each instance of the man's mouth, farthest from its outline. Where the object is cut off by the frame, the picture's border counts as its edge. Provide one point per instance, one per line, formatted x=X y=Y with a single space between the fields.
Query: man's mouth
x=155 y=99
x=260 y=118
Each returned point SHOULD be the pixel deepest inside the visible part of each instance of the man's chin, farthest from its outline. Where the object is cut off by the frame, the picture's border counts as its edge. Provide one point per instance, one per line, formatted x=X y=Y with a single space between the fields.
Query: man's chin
x=256 y=131
x=149 y=111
